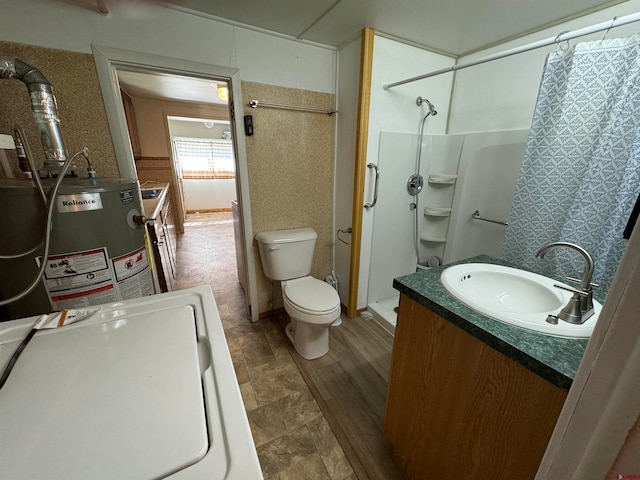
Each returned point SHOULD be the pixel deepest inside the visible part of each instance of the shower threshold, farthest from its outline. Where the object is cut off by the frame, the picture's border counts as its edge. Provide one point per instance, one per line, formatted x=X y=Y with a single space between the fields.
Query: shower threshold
x=384 y=312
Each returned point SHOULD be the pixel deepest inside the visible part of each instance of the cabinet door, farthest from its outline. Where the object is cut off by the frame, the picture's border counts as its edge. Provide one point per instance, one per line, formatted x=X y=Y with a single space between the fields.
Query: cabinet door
x=168 y=270
x=457 y=408
x=162 y=263
x=169 y=230
x=158 y=270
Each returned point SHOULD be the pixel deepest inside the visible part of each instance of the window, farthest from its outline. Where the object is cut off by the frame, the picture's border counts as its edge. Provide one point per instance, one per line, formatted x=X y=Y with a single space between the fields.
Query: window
x=203 y=158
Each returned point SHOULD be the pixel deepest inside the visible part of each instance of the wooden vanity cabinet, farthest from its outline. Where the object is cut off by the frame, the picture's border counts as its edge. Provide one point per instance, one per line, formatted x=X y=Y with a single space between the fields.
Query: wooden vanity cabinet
x=162 y=237
x=458 y=408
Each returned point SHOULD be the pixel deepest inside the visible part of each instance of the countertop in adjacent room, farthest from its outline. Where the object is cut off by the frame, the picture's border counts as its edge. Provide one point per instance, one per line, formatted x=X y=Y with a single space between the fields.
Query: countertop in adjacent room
x=555 y=359
x=151 y=206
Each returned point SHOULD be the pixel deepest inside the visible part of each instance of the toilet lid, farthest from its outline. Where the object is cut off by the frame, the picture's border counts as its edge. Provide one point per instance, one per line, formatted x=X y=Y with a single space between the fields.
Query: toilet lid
x=311 y=294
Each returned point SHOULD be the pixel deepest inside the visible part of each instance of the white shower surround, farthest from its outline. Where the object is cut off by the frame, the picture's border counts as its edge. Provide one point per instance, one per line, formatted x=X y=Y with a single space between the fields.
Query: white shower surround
x=392 y=250
x=487 y=167
x=396 y=111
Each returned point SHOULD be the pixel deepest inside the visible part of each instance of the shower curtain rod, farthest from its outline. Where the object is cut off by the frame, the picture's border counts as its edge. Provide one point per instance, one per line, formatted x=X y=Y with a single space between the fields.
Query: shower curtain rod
x=561 y=37
x=256 y=104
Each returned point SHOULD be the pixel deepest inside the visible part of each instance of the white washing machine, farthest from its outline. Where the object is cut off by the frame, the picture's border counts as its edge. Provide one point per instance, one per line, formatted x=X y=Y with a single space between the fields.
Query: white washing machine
x=142 y=389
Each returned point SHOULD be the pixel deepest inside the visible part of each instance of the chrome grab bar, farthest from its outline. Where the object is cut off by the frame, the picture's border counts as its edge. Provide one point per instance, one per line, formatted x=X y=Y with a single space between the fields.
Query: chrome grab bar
x=477 y=216
x=375 y=188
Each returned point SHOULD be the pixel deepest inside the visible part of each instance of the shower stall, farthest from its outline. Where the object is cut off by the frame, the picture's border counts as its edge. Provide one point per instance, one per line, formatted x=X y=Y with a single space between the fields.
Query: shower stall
x=461 y=174
x=415 y=193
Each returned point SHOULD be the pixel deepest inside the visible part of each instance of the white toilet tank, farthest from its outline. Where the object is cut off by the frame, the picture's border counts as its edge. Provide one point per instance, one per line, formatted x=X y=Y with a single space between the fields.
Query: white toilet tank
x=287 y=254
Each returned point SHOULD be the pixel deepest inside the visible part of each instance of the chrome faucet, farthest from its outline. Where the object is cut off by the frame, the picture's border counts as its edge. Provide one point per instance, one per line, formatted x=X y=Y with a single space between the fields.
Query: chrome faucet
x=580 y=307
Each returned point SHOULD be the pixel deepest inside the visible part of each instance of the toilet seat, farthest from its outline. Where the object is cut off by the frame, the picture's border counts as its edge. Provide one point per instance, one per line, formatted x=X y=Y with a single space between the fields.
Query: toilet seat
x=311 y=296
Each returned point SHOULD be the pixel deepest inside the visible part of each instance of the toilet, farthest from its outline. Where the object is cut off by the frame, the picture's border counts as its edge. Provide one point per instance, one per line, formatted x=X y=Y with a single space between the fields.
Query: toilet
x=312 y=305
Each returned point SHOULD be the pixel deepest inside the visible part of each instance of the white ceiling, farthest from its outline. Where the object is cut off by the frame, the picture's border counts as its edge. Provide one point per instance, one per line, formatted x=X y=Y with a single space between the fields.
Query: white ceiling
x=173 y=87
x=456 y=27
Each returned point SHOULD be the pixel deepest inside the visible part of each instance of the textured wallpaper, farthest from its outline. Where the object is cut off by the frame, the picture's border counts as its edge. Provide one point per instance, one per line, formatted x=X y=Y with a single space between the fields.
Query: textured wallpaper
x=290 y=160
x=81 y=110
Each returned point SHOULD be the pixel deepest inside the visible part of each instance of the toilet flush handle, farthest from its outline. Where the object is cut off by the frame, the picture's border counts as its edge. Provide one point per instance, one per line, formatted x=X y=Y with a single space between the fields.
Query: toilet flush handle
x=271 y=249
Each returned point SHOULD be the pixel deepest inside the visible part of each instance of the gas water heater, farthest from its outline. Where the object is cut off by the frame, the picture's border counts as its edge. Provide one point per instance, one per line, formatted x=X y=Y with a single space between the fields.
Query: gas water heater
x=72 y=242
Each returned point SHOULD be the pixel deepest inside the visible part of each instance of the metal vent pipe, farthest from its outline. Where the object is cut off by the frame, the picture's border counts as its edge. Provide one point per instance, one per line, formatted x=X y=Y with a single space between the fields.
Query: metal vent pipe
x=45 y=109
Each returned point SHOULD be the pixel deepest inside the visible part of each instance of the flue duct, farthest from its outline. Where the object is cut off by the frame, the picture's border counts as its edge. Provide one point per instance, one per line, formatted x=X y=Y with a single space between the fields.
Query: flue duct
x=45 y=109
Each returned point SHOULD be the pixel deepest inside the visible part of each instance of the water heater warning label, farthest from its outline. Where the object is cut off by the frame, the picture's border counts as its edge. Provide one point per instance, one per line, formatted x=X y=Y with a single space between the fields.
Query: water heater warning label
x=90 y=277
x=80 y=279
x=133 y=274
x=83 y=264
x=130 y=264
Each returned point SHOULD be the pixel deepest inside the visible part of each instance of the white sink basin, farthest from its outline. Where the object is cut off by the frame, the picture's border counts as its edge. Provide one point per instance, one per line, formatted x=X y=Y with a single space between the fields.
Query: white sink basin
x=514 y=296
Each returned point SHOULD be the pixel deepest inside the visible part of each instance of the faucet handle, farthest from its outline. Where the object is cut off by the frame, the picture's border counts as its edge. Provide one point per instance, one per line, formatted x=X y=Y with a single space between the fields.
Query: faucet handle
x=577 y=280
x=585 y=297
x=572 y=290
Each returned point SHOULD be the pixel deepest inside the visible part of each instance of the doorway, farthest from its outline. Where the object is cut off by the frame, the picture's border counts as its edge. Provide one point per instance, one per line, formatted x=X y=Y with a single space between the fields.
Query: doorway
x=114 y=63
x=204 y=161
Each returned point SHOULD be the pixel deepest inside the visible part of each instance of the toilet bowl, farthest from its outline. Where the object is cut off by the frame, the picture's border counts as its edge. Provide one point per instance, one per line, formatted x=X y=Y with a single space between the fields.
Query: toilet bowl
x=313 y=307
x=312 y=304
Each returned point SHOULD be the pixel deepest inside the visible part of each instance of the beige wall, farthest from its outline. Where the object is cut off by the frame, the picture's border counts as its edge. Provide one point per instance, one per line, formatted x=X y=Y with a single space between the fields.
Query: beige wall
x=77 y=89
x=290 y=161
x=150 y=115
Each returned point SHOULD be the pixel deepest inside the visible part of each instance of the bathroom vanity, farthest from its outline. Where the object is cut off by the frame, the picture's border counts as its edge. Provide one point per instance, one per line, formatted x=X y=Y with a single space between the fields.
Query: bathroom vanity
x=470 y=397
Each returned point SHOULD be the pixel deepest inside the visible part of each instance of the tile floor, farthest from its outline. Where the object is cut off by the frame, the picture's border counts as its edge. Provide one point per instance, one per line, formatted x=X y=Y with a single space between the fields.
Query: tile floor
x=293 y=439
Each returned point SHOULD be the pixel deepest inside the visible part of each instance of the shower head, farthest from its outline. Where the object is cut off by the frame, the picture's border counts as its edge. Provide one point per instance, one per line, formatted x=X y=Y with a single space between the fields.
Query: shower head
x=432 y=109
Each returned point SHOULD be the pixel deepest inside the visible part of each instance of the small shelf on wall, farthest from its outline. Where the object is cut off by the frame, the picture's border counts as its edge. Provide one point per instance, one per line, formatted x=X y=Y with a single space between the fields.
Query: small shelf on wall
x=437 y=211
x=442 y=179
x=433 y=239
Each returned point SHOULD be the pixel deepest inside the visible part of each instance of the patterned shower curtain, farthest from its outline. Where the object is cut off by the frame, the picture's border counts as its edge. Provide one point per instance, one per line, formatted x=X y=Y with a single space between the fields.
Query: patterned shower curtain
x=580 y=174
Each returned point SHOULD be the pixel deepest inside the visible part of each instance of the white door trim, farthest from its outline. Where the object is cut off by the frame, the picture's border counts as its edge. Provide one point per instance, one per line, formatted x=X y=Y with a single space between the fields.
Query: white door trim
x=108 y=59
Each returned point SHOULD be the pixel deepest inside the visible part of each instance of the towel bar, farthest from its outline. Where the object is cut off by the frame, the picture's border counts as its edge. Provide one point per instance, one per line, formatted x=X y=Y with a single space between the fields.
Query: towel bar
x=477 y=216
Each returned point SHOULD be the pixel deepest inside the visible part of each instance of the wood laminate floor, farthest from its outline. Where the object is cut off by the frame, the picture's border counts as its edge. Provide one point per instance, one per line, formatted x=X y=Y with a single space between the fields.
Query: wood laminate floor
x=350 y=385
x=311 y=420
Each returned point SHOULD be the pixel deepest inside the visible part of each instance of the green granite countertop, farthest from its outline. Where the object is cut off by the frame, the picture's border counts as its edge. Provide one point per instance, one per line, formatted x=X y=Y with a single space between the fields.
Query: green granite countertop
x=553 y=358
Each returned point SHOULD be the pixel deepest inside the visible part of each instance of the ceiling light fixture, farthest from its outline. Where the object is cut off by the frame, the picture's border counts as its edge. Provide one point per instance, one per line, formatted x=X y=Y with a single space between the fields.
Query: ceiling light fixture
x=223 y=92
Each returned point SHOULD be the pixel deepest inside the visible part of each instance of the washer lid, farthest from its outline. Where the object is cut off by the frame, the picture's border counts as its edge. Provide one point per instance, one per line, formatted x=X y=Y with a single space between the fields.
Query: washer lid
x=124 y=400
x=311 y=294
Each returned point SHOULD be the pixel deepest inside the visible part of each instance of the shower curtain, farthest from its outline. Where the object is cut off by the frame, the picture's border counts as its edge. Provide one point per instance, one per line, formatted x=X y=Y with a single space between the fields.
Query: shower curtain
x=580 y=174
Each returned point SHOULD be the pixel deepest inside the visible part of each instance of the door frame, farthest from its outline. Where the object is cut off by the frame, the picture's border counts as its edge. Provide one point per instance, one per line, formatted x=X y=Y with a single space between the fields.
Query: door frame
x=360 y=162
x=107 y=61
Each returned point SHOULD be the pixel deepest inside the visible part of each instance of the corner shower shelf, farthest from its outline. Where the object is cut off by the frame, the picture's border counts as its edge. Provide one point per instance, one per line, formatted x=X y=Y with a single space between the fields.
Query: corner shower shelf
x=437 y=211
x=442 y=179
x=433 y=239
